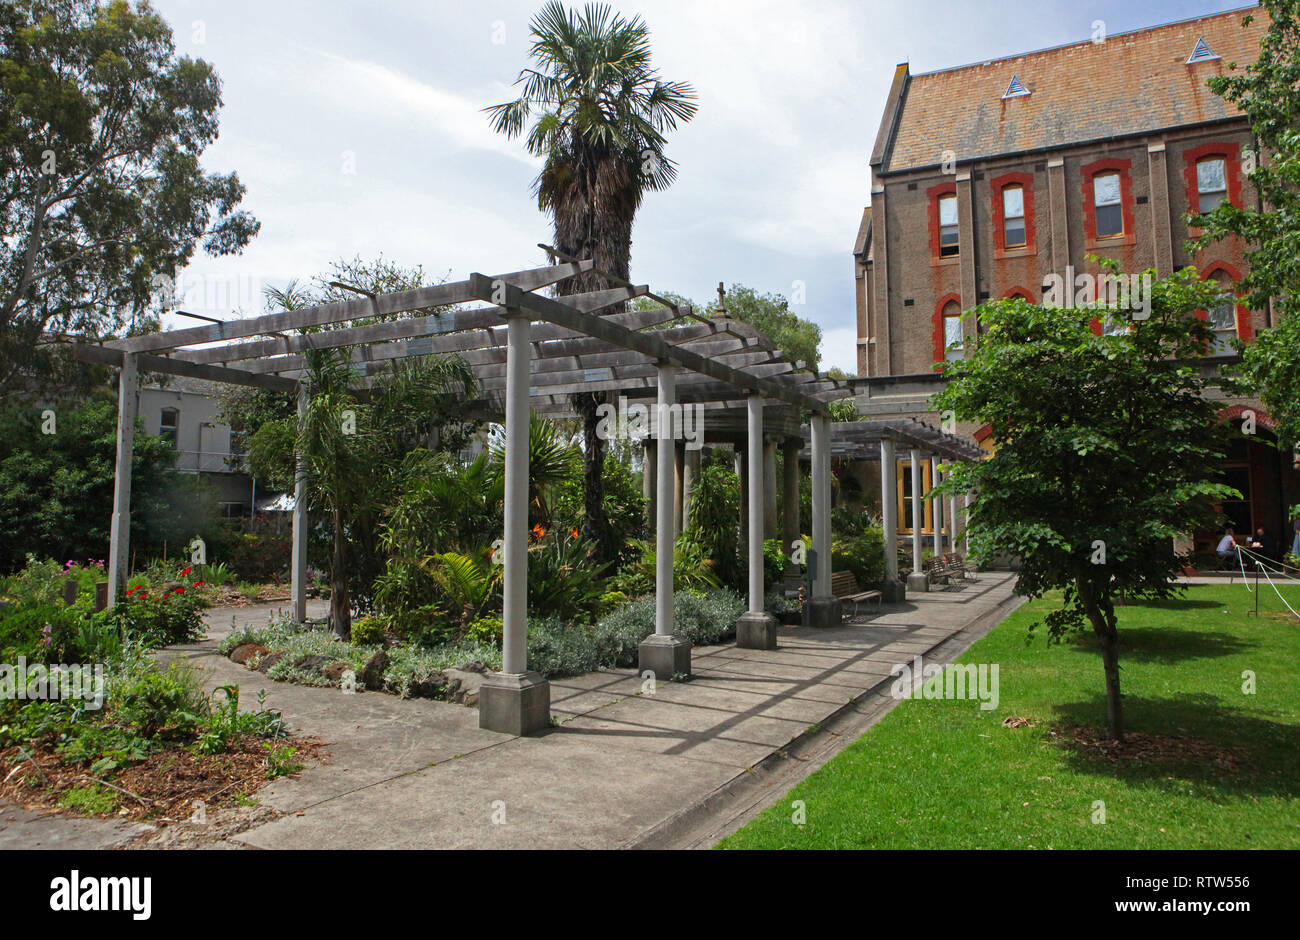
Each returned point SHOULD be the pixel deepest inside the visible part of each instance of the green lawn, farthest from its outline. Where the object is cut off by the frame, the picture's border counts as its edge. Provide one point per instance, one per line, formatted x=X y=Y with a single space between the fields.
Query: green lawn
x=945 y=774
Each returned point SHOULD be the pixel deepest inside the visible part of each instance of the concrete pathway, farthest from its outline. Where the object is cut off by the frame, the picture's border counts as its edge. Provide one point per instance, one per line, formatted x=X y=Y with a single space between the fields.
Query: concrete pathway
x=624 y=766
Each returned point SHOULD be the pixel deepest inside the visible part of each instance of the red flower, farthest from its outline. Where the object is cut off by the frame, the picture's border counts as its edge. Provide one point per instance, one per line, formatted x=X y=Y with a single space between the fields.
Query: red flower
x=186 y=571
x=179 y=590
x=199 y=583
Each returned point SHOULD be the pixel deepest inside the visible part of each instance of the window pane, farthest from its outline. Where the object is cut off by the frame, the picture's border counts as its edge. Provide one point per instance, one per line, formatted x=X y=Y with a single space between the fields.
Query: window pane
x=948 y=241
x=1110 y=221
x=1210 y=176
x=1223 y=320
x=952 y=335
x=1105 y=189
x=948 y=210
x=1015 y=233
x=1211 y=201
x=1013 y=202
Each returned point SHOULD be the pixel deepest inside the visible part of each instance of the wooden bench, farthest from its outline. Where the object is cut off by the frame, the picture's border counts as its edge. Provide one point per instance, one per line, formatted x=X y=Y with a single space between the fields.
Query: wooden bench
x=944 y=569
x=845 y=587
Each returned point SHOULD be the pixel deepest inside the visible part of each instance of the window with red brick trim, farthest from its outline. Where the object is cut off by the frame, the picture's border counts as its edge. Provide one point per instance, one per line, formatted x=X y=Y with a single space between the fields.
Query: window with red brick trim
x=1230 y=318
x=943 y=221
x=1200 y=176
x=1022 y=292
x=946 y=327
x=1108 y=181
x=1012 y=193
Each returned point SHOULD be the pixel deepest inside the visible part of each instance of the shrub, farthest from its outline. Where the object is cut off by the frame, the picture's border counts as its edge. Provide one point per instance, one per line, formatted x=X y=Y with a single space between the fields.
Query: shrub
x=160 y=617
x=368 y=630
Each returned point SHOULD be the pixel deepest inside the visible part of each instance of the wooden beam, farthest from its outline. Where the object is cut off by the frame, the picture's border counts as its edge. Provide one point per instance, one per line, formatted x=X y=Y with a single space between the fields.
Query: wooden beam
x=556 y=312
x=343 y=310
x=169 y=366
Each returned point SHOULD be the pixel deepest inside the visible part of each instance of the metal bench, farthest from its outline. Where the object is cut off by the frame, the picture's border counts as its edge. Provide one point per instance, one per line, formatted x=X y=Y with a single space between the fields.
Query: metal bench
x=845 y=587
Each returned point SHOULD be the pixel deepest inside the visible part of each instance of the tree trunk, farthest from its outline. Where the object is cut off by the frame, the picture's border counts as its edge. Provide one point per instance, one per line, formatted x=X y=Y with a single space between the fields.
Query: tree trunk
x=340 y=607
x=1101 y=614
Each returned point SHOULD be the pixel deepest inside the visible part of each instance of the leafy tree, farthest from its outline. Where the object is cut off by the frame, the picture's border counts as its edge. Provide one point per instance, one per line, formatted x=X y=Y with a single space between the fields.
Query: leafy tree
x=1268 y=91
x=102 y=199
x=54 y=488
x=770 y=314
x=599 y=115
x=1106 y=449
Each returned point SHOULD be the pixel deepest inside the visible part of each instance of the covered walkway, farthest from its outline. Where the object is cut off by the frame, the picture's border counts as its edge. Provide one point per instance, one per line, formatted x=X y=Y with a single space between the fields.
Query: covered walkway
x=531 y=352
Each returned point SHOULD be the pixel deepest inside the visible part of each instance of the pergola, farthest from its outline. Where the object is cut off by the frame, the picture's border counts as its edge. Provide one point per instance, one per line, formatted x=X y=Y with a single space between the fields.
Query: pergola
x=529 y=350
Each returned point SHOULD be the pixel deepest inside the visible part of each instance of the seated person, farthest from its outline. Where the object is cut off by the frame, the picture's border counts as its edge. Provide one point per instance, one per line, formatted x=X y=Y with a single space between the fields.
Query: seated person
x=1227 y=546
x=1263 y=544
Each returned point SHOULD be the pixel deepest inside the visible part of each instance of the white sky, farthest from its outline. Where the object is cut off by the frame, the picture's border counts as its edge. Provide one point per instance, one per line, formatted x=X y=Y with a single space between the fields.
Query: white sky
x=773 y=171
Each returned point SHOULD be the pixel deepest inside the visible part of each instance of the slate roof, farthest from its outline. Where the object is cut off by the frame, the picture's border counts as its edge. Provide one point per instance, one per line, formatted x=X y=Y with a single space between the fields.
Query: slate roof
x=1132 y=83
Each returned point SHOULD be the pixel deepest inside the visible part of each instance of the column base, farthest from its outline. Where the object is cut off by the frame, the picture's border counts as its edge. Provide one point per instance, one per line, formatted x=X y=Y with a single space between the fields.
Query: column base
x=756 y=630
x=664 y=655
x=918 y=582
x=823 y=612
x=514 y=704
x=893 y=592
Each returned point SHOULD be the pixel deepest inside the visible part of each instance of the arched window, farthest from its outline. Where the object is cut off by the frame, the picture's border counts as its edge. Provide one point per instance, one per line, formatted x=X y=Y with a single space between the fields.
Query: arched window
x=952 y=335
x=1223 y=318
x=1013 y=216
x=1108 y=204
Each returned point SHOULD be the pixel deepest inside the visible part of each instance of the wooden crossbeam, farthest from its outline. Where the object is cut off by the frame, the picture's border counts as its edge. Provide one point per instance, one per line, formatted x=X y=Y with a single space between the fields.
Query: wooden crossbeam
x=555 y=312
x=420 y=298
x=169 y=366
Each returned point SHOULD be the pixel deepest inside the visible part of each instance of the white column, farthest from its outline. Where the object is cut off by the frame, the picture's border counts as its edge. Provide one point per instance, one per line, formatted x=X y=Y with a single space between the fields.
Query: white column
x=298 y=561
x=515 y=553
x=935 y=479
x=770 y=506
x=119 y=540
x=965 y=529
x=821 y=503
x=666 y=481
x=952 y=522
x=889 y=507
x=754 y=447
x=918 y=512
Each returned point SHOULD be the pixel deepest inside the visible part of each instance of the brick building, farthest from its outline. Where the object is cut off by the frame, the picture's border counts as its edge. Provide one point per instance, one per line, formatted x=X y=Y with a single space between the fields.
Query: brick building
x=988 y=178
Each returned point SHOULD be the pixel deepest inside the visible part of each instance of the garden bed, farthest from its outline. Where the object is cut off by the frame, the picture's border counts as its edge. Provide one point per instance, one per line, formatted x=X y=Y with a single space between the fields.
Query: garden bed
x=286 y=651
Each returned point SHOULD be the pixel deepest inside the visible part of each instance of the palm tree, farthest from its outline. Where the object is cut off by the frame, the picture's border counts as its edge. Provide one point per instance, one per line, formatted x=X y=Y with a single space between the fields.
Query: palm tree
x=600 y=113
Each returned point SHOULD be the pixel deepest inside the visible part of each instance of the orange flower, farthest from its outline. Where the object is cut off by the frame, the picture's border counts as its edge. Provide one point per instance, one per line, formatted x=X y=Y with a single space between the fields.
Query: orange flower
x=539 y=532
x=573 y=533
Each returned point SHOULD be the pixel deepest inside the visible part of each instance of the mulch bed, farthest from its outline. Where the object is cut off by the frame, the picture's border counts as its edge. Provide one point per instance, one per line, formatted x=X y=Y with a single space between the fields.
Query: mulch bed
x=162 y=788
x=1140 y=747
x=271 y=593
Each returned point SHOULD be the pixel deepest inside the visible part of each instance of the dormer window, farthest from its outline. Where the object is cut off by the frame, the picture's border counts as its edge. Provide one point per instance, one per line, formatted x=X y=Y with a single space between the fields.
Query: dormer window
x=1201 y=52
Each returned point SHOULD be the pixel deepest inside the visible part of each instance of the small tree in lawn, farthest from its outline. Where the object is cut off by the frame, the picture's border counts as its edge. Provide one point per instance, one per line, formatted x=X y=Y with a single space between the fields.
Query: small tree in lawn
x=1106 y=451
